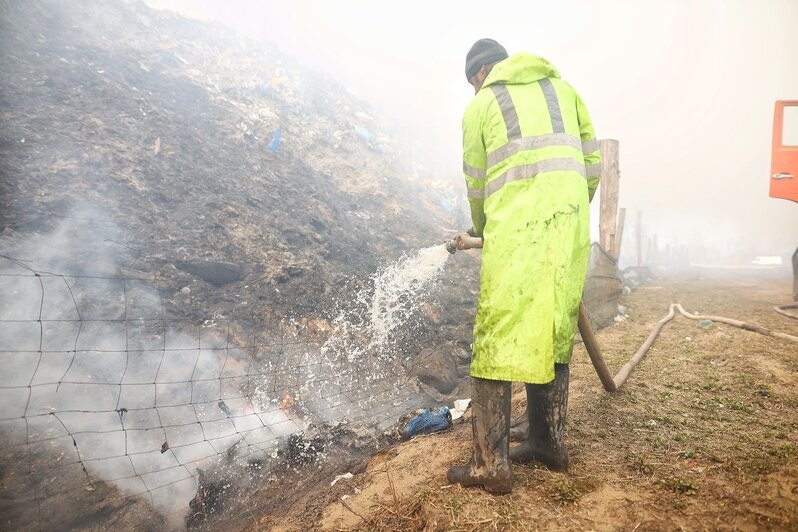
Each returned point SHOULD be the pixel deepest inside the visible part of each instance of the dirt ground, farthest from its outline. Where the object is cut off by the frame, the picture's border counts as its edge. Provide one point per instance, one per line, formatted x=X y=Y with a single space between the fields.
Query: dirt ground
x=703 y=436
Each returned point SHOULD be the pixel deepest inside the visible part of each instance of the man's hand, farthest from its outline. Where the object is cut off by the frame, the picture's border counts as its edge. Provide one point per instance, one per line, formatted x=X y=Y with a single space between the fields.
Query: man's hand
x=459 y=240
x=467 y=241
x=462 y=241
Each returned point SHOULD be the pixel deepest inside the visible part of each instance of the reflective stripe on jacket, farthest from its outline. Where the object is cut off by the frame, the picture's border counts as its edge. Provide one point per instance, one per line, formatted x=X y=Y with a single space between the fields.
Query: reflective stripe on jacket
x=532 y=165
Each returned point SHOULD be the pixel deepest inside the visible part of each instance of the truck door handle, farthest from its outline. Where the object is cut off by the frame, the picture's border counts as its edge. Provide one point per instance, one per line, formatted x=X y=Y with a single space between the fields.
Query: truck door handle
x=782 y=175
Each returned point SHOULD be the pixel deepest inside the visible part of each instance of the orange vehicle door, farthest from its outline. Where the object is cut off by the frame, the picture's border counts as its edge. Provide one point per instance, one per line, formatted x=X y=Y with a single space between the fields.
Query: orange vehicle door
x=784 y=160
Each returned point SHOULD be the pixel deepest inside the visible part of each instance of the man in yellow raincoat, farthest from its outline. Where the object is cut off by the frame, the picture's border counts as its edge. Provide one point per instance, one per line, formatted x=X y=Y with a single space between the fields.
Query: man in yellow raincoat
x=532 y=165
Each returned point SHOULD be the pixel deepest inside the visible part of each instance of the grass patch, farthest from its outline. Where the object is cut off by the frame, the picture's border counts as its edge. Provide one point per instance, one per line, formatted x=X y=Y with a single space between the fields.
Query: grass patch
x=677 y=485
x=565 y=492
x=639 y=463
x=712 y=383
x=764 y=390
x=785 y=450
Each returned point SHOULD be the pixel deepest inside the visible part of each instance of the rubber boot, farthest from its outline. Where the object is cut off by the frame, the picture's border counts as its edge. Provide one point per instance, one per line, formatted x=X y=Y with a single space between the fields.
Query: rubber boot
x=519 y=427
x=547 y=405
x=490 y=465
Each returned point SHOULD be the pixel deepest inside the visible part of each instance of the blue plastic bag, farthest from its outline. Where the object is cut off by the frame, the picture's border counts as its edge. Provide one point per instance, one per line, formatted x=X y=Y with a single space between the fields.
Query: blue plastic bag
x=428 y=421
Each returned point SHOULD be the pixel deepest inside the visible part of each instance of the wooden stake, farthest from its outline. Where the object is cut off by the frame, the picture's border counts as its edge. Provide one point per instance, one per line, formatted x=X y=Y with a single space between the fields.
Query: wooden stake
x=639 y=237
x=619 y=234
x=608 y=215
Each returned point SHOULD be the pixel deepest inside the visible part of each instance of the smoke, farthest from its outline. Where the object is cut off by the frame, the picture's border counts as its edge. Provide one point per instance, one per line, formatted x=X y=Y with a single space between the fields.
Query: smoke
x=97 y=375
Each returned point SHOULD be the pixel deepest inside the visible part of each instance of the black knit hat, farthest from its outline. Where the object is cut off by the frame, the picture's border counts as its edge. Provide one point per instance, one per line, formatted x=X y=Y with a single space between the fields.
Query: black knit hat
x=484 y=52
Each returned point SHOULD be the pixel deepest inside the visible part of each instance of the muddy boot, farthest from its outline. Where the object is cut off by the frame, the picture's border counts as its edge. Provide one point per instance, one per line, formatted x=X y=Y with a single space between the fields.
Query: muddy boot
x=489 y=466
x=519 y=428
x=546 y=407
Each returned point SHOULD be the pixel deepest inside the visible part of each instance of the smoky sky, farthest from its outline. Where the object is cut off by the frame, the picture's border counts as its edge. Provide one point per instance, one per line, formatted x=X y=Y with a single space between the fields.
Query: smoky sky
x=686 y=86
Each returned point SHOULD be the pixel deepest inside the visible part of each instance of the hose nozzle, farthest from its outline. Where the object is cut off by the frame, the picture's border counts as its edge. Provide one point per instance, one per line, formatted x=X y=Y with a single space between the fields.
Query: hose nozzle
x=451 y=246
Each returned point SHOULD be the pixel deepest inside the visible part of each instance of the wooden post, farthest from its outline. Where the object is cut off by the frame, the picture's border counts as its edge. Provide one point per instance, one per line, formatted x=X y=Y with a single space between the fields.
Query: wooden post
x=619 y=234
x=639 y=237
x=608 y=216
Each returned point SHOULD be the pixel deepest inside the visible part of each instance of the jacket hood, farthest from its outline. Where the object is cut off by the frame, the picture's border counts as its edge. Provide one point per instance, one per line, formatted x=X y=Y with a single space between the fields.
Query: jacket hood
x=521 y=68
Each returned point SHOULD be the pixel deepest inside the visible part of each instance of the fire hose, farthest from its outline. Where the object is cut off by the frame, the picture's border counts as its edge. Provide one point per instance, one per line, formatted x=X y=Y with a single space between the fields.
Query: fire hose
x=610 y=383
x=784 y=308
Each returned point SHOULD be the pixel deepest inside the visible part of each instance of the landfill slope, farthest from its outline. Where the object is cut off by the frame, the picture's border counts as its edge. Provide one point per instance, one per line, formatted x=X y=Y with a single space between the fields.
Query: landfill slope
x=201 y=146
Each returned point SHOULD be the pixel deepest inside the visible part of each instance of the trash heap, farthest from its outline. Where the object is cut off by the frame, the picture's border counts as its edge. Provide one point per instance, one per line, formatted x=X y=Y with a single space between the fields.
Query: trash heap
x=203 y=148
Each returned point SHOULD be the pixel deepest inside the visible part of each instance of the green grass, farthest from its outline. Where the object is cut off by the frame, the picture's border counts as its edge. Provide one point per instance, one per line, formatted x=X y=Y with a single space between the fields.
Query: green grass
x=565 y=492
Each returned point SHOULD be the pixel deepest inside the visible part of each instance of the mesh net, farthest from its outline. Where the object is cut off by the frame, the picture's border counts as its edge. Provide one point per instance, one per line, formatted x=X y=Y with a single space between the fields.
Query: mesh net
x=603 y=287
x=101 y=386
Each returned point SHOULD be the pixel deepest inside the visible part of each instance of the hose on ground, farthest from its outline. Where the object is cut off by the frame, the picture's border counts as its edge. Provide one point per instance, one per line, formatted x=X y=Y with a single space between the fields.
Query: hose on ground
x=784 y=308
x=612 y=384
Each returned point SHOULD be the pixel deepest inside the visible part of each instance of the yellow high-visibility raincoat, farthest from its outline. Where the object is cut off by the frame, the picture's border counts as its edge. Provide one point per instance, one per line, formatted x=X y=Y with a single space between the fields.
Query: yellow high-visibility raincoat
x=532 y=165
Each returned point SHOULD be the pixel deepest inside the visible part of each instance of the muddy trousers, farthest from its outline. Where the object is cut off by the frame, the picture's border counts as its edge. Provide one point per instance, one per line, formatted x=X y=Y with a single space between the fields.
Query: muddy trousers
x=490 y=465
x=547 y=405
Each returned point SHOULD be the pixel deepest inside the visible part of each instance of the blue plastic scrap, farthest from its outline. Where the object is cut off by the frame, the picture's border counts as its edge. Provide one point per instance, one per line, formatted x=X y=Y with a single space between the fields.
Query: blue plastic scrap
x=428 y=421
x=364 y=134
x=275 y=143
